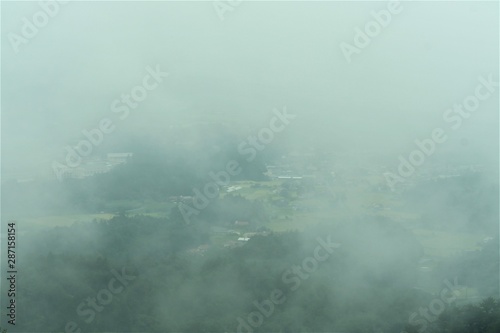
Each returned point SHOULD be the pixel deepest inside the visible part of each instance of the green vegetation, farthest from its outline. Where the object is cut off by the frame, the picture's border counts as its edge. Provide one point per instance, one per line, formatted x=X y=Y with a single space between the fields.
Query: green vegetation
x=196 y=275
x=177 y=269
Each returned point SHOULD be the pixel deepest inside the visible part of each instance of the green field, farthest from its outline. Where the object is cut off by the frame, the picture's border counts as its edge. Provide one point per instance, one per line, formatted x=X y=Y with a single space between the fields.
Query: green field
x=296 y=214
x=320 y=209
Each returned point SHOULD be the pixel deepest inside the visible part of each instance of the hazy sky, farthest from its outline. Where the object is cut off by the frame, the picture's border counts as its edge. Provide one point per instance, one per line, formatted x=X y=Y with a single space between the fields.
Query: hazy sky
x=262 y=55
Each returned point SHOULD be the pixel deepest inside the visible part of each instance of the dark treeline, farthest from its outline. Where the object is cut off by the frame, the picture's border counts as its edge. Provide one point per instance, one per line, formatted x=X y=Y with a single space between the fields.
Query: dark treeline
x=154 y=173
x=144 y=273
x=364 y=283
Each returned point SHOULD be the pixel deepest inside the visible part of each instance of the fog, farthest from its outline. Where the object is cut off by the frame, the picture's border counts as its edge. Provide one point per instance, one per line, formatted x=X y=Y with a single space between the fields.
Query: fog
x=119 y=118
